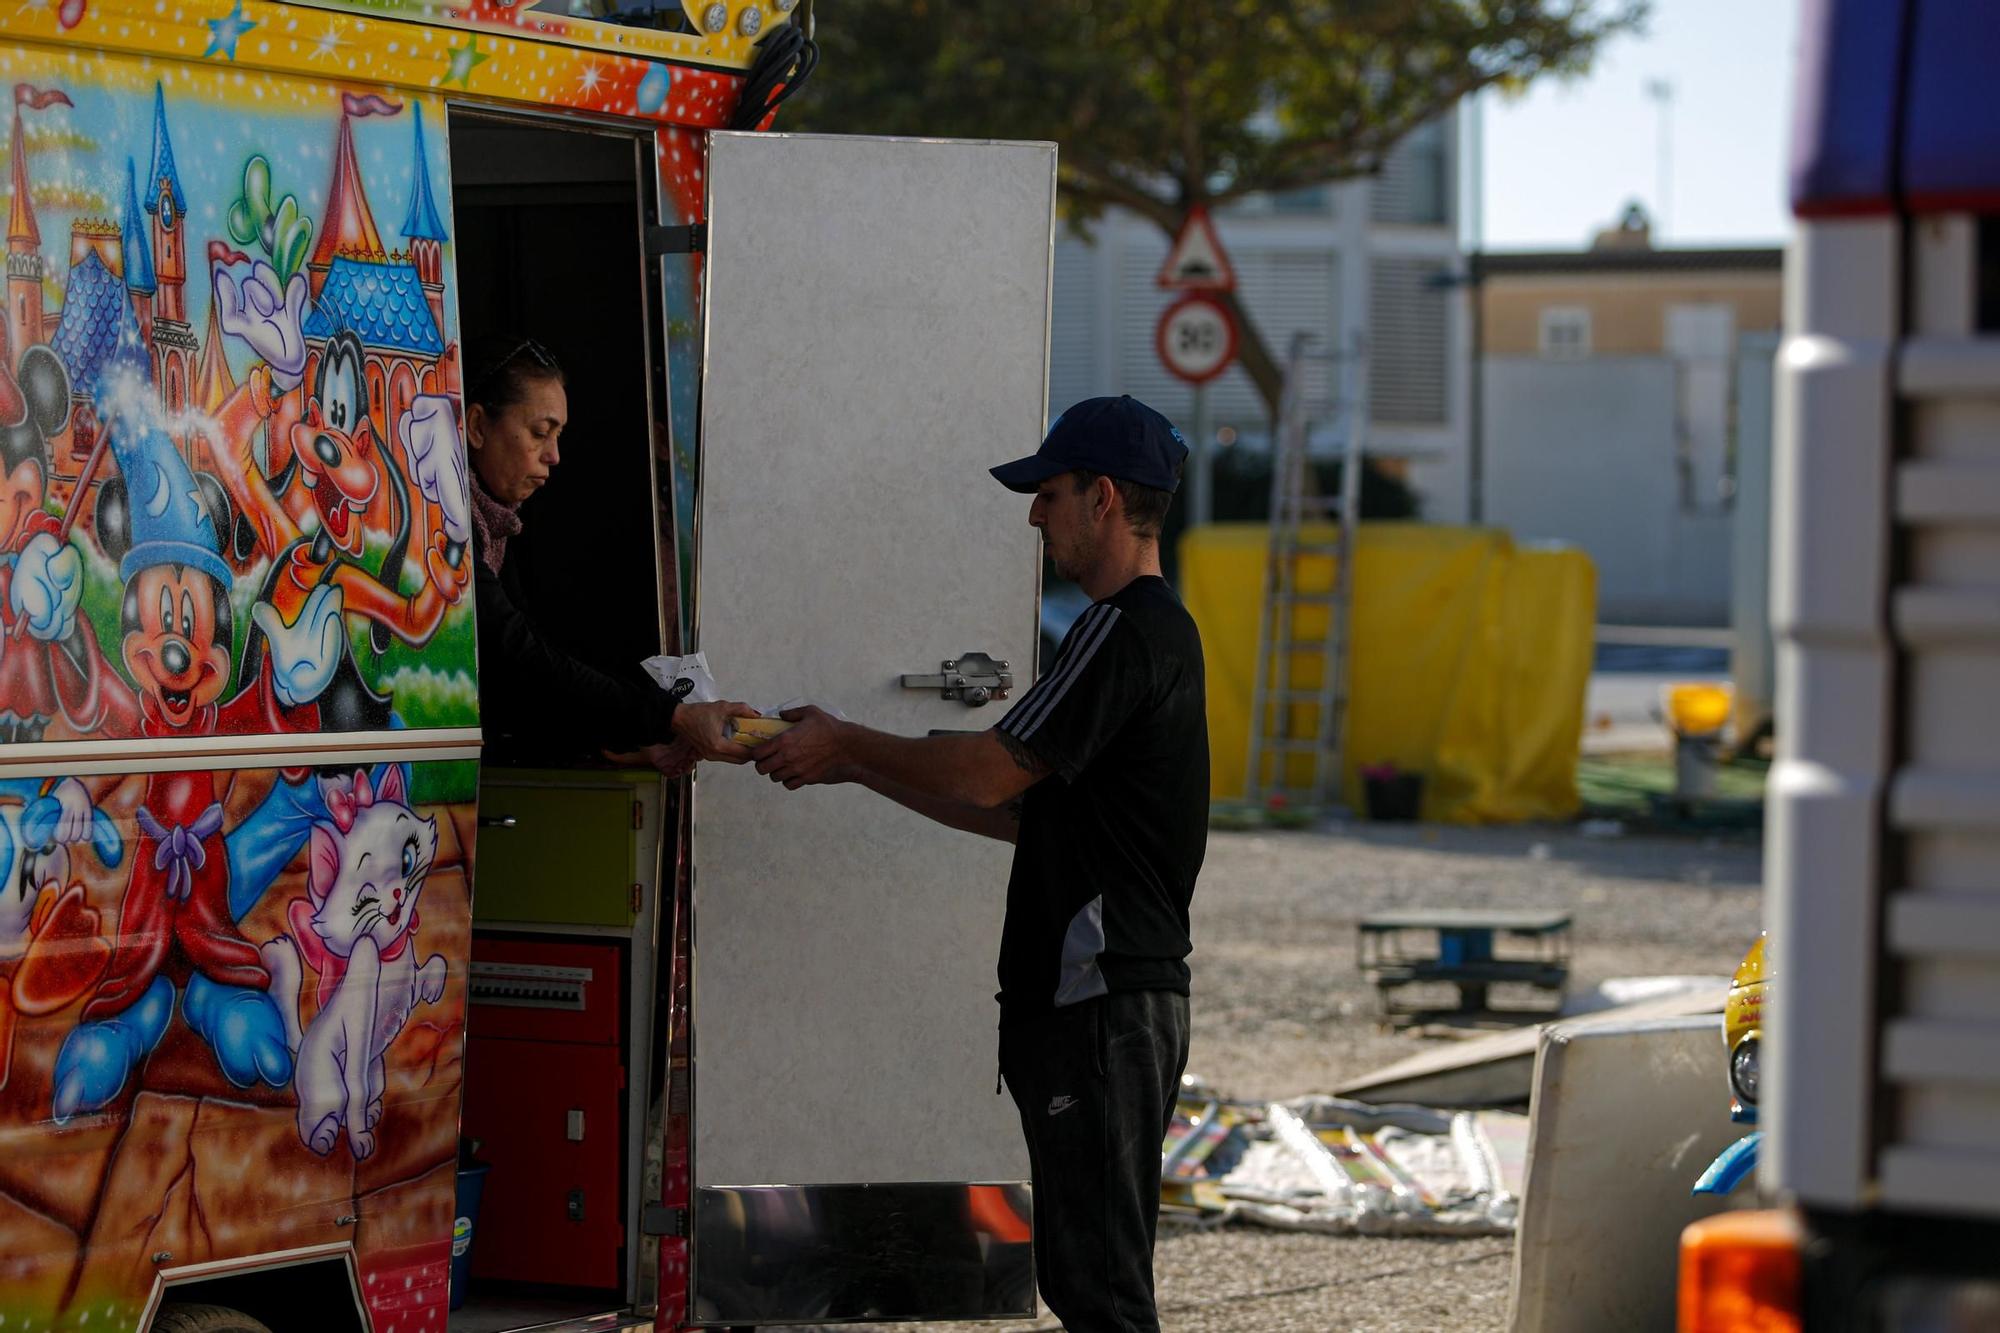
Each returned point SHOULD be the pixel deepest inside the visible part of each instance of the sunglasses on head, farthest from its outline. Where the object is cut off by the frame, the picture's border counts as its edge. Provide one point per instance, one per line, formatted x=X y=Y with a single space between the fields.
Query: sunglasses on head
x=538 y=353
x=527 y=347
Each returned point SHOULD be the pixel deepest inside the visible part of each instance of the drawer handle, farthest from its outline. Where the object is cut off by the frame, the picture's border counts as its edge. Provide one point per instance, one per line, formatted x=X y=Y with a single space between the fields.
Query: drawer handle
x=497 y=821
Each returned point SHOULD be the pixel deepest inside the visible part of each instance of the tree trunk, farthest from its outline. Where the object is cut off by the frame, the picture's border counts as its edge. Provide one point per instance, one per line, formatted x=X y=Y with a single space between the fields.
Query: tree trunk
x=1255 y=355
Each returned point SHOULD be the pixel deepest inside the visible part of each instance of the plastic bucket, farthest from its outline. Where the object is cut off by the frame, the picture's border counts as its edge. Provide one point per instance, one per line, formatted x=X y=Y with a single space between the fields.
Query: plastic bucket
x=471 y=1184
x=1398 y=798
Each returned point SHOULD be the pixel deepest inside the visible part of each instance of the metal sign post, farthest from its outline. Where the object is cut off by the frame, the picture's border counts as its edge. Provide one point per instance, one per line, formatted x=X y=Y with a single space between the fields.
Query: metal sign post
x=1201 y=495
x=1196 y=338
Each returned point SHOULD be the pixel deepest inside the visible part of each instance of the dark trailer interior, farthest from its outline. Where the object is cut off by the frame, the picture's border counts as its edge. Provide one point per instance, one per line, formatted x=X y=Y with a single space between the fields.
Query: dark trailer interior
x=563 y=1071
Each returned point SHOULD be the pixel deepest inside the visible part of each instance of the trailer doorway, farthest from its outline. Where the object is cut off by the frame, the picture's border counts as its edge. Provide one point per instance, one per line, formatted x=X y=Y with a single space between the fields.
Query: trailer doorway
x=560 y=1087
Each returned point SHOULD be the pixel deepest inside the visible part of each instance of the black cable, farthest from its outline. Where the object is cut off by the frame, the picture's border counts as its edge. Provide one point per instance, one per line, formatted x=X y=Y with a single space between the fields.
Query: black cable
x=785 y=56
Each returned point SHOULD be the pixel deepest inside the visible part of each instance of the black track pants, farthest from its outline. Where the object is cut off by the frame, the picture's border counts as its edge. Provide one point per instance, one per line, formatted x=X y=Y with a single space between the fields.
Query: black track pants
x=1095 y=1084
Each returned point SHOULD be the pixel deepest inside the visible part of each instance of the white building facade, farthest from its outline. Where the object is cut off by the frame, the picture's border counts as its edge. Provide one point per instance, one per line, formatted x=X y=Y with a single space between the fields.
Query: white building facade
x=1371 y=264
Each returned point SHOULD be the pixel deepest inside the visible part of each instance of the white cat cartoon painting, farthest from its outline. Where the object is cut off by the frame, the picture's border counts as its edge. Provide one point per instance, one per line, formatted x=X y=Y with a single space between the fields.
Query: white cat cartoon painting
x=357 y=931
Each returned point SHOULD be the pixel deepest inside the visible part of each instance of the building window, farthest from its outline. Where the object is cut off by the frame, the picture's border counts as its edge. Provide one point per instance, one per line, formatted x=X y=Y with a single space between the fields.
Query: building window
x=1414 y=186
x=1565 y=332
x=1306 y=200
x=1408 y=331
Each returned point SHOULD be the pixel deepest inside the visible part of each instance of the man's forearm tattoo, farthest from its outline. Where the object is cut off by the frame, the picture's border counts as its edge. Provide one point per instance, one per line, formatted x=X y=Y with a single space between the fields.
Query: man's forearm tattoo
x=1022 y=755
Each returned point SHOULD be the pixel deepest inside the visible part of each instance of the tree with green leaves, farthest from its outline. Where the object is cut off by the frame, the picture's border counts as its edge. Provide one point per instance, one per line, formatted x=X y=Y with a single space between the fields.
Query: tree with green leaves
x=1160 y=106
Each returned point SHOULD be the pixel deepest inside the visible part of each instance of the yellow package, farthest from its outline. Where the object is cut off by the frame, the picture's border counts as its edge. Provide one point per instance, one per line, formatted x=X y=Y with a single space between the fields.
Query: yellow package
x=756 y=730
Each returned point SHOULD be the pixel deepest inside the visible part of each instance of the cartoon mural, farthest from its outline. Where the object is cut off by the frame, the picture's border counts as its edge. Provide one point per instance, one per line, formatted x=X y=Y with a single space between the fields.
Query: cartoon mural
x=290 y=1064
x=290 y=478
x=356 y=930
x=233 y=503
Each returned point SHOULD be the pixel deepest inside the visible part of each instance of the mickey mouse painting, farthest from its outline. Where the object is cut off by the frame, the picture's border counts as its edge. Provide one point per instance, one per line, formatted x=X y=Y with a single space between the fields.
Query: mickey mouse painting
x=176 y=930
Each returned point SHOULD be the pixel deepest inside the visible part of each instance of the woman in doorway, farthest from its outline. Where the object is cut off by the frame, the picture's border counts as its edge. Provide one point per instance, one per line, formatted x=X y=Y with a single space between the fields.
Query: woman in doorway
x=528 y=688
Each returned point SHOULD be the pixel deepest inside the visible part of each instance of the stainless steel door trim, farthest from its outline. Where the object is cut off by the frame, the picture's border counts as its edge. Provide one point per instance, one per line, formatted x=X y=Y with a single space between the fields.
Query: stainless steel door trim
x=768 y=1254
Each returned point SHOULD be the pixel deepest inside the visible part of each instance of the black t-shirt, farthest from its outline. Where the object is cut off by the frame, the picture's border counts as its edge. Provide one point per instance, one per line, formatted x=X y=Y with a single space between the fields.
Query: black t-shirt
x=1112 y=839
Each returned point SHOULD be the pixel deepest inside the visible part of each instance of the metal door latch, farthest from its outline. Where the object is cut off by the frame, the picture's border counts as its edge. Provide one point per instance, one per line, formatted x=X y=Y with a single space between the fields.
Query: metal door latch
x=972 y=679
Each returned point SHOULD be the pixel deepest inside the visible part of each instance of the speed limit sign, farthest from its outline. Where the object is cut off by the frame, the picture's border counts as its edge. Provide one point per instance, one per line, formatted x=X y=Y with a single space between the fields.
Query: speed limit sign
x=1196 y=338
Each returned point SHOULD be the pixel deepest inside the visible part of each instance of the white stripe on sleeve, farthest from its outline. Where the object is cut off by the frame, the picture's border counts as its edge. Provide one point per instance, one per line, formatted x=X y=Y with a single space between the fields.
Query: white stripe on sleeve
x=1049 y=691
x=1087 y=624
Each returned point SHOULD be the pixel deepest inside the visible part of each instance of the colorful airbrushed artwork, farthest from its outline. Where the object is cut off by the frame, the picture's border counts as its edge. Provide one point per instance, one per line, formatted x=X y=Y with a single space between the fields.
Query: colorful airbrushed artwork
x=232 y=504
x=229 y=1027
x=234 y=512
x=234 y=496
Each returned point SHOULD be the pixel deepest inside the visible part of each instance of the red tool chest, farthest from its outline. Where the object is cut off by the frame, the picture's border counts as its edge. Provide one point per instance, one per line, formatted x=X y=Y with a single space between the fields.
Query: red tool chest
x=544 y=1093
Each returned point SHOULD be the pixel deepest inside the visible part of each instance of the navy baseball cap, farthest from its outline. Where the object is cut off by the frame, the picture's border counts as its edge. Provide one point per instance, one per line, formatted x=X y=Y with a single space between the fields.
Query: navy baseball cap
x=1118 y=437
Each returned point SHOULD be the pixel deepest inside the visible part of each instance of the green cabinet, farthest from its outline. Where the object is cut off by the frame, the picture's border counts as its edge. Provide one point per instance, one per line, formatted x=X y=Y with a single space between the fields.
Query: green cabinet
x=561 y=848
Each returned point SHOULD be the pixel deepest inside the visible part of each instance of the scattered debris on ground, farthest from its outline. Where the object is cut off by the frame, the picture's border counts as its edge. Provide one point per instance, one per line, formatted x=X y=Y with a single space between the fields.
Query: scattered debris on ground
x=1343 y=1167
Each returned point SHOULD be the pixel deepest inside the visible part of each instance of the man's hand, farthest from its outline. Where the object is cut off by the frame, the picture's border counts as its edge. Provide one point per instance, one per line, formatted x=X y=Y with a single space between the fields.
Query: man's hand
x=705 y=729
x=808 y=755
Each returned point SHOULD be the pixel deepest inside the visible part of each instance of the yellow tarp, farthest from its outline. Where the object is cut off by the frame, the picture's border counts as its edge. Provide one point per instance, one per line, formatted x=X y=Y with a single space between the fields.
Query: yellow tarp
x=1470 y=660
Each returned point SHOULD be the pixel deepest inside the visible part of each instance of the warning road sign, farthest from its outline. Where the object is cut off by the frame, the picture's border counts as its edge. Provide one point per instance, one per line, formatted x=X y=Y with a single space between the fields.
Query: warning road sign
x=1197 y=261
x=1196 y=338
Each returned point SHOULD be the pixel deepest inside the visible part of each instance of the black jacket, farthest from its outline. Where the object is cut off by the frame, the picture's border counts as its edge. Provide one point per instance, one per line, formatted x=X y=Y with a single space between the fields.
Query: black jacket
x=533 y=692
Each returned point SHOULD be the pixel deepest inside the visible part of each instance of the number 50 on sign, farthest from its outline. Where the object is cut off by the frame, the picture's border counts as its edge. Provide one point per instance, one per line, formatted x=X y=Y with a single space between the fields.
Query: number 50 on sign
x=1196 y=338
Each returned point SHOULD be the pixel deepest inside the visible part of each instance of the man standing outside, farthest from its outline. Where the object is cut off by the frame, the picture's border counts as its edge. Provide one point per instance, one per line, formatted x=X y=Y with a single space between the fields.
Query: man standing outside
x=1099 y=777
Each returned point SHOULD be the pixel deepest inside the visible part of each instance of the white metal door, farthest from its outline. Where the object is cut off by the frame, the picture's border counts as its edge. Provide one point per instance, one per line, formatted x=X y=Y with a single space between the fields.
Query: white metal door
x=877 y=336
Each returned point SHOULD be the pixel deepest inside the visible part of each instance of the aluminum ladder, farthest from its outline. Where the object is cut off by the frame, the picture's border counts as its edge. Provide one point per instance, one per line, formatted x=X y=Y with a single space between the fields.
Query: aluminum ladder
x=1288 y=719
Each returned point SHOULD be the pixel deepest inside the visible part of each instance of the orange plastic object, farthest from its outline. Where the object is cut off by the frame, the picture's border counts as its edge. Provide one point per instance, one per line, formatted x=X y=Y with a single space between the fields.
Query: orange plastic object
x=1740 y=1274
x=994 y=1214
x=1697 y=709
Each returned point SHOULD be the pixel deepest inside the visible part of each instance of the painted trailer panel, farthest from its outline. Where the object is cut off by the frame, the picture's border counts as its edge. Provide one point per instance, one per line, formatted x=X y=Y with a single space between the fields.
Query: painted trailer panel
x=235 y=500
x=265 y=1030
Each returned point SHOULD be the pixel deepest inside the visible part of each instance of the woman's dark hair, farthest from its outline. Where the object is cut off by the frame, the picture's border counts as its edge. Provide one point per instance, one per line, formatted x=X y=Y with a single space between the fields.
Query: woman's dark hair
x=503 y=381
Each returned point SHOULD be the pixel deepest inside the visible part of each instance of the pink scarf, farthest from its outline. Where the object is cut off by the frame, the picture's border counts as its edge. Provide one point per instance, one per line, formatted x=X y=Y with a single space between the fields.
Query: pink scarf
x=495 y=522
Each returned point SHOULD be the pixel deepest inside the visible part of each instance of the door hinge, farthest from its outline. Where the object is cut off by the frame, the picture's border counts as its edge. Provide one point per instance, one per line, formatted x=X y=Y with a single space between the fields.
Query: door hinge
x=638 y=814
x=688 y=240
x=638 y=896
x=657 y=1219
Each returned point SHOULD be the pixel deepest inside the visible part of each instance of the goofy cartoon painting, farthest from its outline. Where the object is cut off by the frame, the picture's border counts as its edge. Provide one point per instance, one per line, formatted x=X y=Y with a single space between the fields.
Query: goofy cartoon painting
x=336 y=465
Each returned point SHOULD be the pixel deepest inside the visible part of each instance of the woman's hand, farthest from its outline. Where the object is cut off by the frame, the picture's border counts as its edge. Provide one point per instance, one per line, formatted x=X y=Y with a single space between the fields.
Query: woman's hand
x=705 y=728
x=672 y=759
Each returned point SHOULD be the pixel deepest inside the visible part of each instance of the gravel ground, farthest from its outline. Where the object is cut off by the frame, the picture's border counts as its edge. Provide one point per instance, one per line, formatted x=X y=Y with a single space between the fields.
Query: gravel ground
x=1279 y=1010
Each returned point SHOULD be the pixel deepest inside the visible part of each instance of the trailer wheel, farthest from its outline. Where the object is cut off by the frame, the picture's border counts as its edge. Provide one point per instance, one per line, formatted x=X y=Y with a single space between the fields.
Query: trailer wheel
x=206 y=1319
